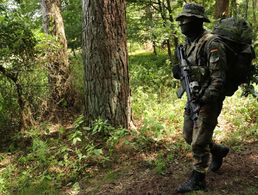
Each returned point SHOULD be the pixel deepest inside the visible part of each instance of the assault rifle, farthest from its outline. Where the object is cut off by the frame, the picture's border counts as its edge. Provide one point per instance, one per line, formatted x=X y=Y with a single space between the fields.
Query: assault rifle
x=191 y=88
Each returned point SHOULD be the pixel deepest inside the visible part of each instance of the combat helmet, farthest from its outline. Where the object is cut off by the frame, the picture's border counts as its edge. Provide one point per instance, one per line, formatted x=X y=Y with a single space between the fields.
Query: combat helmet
x=193 y=10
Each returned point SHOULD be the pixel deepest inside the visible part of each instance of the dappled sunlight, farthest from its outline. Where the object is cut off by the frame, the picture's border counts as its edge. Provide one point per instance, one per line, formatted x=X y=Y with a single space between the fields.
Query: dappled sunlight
x=62 y=148
x=238 y=121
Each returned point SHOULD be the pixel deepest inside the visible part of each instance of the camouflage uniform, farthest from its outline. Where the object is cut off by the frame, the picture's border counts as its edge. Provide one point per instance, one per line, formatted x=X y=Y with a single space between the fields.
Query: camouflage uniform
x=206 y=57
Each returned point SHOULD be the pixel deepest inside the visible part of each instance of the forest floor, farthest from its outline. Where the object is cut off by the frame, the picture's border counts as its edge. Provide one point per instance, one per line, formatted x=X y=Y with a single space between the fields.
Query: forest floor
x=238 y=175
x=158 y=171
x=136 y=164
x=141 y=173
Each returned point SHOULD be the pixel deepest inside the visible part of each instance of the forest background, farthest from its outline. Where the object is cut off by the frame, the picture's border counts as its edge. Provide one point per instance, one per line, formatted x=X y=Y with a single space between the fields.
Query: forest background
x=50 y=145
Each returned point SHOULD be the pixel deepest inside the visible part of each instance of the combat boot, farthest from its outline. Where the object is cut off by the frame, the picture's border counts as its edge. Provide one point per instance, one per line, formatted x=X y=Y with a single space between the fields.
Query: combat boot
x=195 y=182
x=218 y=152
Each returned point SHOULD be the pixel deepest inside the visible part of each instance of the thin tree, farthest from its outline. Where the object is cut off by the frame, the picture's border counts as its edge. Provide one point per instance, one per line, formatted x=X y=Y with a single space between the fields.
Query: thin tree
x=58 y=70
x=149 y=19
x=233 y=8
x=107 y=93
x=255 y=6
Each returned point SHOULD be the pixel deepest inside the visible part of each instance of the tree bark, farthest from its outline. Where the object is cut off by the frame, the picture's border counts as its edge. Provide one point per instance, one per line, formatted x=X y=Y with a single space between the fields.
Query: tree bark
x=107 y=93
x=221 y=8
x=58 y=69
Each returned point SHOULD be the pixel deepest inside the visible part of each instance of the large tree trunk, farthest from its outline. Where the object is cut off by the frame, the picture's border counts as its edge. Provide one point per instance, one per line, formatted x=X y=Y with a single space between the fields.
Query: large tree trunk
x=107 y=93
x=221 y=8
x=59 y=68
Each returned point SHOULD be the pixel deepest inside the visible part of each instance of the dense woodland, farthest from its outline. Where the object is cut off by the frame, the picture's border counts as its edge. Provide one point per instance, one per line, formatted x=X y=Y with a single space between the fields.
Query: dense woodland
x=88 y=104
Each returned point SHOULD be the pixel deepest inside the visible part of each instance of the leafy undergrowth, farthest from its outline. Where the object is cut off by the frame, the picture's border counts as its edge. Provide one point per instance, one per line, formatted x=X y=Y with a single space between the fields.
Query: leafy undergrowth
x=151 y=159
x=53 y=159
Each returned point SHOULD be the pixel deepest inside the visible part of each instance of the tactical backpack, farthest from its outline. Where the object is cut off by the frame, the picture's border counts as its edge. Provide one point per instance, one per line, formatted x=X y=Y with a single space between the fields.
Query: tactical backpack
x=236 y=34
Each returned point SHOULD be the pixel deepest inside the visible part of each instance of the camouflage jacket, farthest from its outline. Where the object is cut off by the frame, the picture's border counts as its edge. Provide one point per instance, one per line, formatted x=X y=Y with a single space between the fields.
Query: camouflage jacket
x=206 y=56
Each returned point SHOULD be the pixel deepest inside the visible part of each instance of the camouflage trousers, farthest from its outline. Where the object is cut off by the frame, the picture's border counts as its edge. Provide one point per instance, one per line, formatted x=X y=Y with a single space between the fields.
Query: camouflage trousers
x=199 y=133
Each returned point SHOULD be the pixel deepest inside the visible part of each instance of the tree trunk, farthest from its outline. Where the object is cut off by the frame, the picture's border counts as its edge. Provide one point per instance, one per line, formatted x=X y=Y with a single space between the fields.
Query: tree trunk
x=59 y=68
x=163 y=13
x=221 y=8
x=26 y=116
x=107 y=93
x=246 y=9
x=154 y=46
x=254 y=6
x=173 y=32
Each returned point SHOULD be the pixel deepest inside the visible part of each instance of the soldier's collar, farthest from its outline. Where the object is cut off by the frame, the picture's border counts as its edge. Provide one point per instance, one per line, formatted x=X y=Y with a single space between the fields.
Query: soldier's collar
x=191 y=46
x=197 y=38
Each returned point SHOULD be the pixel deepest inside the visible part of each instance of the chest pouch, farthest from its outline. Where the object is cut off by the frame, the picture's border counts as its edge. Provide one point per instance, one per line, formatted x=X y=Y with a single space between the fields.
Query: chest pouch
x=198 y=73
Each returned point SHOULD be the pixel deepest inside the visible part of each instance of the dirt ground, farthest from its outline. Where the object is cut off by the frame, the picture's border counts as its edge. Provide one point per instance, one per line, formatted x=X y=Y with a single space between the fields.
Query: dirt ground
x=238 y=175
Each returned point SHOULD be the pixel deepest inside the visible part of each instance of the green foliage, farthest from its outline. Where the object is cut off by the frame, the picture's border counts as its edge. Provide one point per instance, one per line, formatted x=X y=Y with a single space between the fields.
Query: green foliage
x=43 y=160
x=160 y=164
x=150 y=71
x=77 y=75
x=61 y=157
x=16 y=39
x=17 y=53
x=26 y=55
x=8 y=103
x=243 y=118
x=101 y=127
x=6 y=178
x=49 y=161
x=40 y=188
x=71 y=12
x=145 y=24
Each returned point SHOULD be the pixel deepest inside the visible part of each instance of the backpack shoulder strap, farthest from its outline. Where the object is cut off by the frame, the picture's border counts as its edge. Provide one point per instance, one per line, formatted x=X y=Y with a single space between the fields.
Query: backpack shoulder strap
x=205 y=40
x=202 y=43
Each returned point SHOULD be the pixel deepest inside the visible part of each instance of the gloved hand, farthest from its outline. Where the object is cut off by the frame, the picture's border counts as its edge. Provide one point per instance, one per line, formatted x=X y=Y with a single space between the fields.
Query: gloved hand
x=176 y=71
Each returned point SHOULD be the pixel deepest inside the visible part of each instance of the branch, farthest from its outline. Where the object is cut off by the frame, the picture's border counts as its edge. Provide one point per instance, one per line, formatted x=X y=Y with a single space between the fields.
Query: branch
x=2 y=69
x=155 y=8
x=11 y=76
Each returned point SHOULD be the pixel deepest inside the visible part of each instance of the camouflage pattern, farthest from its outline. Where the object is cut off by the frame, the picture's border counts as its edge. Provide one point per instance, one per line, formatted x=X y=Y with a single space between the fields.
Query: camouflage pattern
x=234 y=29
x=199 y=135
x=193 y=10
x=207 y=60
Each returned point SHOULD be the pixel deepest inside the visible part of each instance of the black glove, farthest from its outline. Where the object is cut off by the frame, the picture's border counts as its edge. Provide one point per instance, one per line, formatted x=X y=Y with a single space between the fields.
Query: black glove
x=176 y=72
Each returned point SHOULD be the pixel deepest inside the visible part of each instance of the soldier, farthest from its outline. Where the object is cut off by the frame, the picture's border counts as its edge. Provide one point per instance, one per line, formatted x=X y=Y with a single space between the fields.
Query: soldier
x=206 y=57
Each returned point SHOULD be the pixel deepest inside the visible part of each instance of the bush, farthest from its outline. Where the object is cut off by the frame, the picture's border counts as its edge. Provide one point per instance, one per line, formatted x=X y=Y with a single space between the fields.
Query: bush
x=150 y=72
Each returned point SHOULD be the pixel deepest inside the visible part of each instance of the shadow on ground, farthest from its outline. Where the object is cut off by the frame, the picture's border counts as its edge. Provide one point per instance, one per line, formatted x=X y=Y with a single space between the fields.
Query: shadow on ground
x=238 y=175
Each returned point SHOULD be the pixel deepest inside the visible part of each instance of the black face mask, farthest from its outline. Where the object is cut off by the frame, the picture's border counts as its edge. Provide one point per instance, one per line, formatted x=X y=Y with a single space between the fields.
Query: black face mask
x=191 y=28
